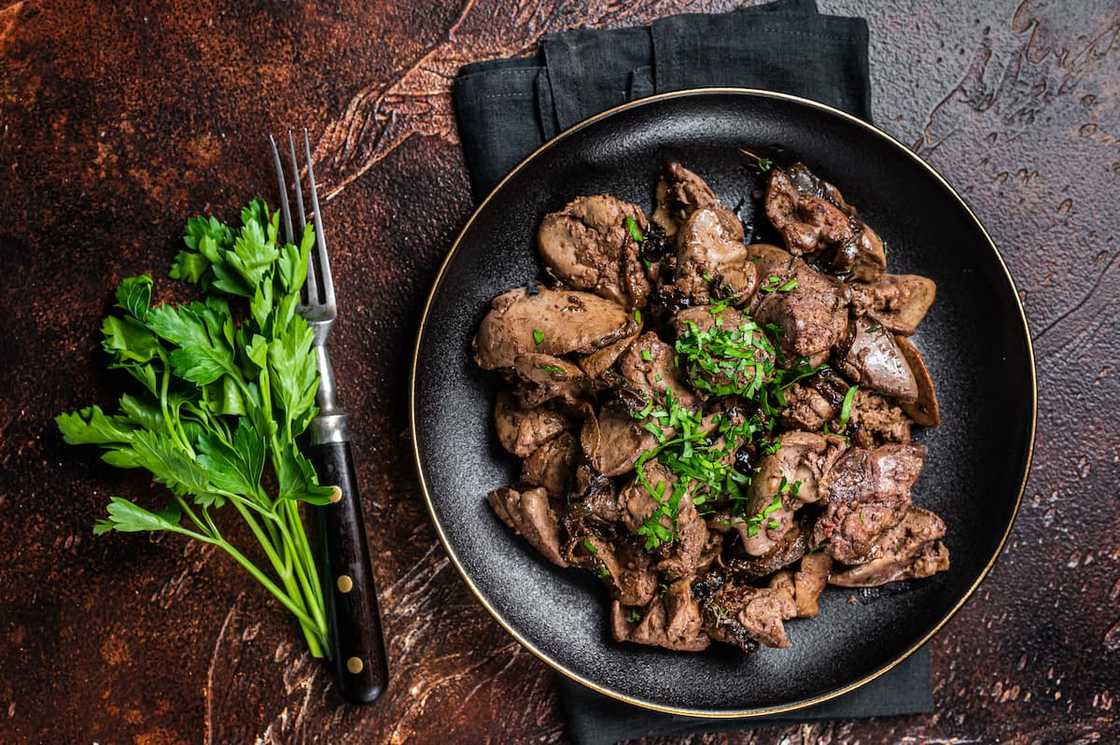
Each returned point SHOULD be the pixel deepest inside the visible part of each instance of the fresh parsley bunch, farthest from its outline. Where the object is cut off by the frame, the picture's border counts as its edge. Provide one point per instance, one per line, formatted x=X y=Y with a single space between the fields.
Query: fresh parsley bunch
x=220 y=397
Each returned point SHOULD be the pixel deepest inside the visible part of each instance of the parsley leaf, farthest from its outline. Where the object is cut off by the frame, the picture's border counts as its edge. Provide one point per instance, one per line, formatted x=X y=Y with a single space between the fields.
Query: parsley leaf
x=128 y=340
x=633 y=229
x=203 y=354
x=126 y=517
x=235 y=466
x=292 y=371
x=90 y=426
x=134 y=295
x=846 y=408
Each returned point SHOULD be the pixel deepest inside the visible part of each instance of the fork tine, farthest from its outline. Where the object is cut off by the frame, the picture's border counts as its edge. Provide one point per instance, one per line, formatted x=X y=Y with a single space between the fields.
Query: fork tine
x=285 y=212
x=320 y=236
x=312 y=275
x=299 y=186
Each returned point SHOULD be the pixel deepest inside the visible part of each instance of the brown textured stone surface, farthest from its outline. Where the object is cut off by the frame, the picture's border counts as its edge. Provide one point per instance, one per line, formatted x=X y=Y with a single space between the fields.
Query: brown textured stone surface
x=119 y=119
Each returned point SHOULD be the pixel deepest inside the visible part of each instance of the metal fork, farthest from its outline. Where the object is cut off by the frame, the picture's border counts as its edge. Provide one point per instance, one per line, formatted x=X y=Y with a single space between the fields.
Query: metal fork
x=358 y=657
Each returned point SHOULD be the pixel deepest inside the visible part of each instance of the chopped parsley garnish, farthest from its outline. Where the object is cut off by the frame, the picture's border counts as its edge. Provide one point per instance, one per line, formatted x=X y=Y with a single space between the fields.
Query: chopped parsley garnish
x=699 y=456
x=634 y=616
x=554 y=369
x=801 y=369
x=633 y=229
x=699 y=452
x=654 y=529
x=590 y=547
x=647 y=355
x=846 y=407
x=755 y=522
x=774 y=283
x=538 y=337
x=638 y=316
x=726 y=361
x=764 y=164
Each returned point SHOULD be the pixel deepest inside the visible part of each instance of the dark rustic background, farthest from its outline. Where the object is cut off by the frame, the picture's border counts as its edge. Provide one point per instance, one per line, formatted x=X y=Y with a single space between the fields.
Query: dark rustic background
x=117 y=120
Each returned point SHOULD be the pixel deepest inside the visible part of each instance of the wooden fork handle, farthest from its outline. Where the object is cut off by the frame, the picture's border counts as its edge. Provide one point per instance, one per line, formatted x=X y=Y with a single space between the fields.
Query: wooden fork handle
x=360 y=665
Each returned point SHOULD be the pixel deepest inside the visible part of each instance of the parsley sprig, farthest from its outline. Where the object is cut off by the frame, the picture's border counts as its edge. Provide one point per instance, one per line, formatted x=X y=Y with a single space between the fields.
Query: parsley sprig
x=220 y=404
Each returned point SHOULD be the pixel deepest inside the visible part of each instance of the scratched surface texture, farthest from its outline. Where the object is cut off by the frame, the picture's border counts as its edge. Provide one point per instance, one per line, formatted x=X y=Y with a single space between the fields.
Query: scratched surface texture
x=119 y=119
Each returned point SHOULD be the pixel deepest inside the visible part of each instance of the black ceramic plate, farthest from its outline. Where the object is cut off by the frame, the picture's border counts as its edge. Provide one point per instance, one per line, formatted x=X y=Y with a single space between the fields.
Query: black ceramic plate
x=975 y=340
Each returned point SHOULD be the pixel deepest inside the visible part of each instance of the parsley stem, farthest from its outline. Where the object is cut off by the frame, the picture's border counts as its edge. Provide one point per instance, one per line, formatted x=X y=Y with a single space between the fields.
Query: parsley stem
x=178 y=421
x=285 y=599
x=307 y=556
x=311 y=590
x=210 y=521
x=186 y=508
x=166 y=381
x=291 y=568
x=269 y=549
x=270 y=526
x=306 y=572
x=312 y=627
x=262 y=511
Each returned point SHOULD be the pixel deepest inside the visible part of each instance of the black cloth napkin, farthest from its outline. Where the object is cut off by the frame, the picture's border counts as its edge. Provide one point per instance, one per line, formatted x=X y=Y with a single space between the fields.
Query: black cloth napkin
x=507 y=108
x=597 y=720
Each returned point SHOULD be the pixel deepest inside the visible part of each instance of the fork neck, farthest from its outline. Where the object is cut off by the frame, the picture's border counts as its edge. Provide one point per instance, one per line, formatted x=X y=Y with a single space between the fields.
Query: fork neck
x=326 y=397
x=332 y=423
